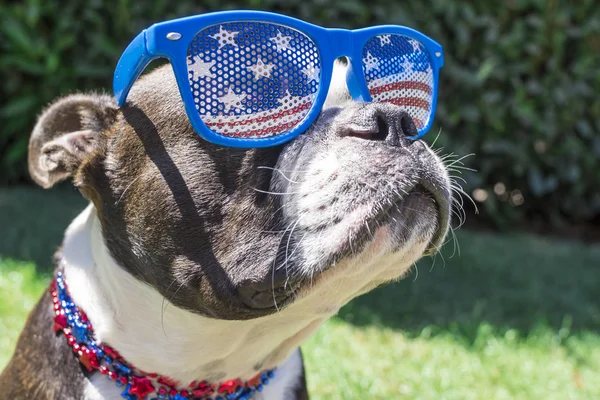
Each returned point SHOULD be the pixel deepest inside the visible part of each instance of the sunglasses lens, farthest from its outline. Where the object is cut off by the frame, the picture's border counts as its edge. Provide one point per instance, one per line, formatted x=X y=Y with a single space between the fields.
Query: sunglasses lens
x=253 y=79
x=398 y=70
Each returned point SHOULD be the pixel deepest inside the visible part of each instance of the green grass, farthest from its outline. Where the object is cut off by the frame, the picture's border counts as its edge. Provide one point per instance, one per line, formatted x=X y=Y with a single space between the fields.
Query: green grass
x=514 y=317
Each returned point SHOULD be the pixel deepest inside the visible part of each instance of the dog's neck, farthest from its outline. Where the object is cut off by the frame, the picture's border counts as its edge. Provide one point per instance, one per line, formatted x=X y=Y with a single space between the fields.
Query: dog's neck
x=156 y=336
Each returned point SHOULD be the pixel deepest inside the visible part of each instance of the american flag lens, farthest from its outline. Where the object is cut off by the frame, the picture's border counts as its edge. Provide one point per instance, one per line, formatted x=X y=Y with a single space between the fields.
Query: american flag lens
x=398 y=70
x=253 y=79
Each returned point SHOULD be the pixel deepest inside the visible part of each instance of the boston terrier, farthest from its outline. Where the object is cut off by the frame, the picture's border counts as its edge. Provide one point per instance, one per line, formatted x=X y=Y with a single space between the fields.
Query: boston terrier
x=201 y=269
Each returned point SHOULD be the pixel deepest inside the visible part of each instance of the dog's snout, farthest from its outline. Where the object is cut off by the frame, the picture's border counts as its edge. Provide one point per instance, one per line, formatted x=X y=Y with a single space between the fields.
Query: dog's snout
x=382 y=122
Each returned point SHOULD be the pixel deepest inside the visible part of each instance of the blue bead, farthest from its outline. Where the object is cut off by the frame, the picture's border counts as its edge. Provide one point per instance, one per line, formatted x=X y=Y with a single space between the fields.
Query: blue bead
x=126 y=395
x=259 y=387
x=122 y=368
x=265 y=381
x=270 y=374
x=108 y=360
x=179 y=397
x=80 y=332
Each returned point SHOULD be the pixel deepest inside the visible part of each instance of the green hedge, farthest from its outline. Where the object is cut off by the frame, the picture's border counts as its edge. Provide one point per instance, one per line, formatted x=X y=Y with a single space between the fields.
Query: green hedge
x=520 y=88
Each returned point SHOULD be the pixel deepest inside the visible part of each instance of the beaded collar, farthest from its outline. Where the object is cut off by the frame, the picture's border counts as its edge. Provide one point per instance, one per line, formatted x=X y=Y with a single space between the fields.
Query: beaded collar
x=136 y=384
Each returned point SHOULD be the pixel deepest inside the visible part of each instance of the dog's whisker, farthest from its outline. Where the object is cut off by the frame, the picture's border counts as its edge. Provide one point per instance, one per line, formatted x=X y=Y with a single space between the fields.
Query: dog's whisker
x=278 y=171
x=274 y=193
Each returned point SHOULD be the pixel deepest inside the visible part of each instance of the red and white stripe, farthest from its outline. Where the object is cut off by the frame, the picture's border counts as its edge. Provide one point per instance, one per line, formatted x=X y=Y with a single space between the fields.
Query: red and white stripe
x=413 y=92
x=289 y=114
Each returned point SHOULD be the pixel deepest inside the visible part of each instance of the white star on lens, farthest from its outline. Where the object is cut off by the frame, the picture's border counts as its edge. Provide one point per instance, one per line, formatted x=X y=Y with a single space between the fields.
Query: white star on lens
x=232 y=100
x=199 y=68
x=281 y=42
x=384 y=39
x=370 y=62
x=288 y=99
x=416 y=45
x=261 y=69
x=312 y=72
x=408 y=66
x=225 y=37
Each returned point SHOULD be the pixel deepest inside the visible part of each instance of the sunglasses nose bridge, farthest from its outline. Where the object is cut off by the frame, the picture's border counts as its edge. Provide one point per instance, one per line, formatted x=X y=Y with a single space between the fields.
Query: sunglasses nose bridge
x=340 y=41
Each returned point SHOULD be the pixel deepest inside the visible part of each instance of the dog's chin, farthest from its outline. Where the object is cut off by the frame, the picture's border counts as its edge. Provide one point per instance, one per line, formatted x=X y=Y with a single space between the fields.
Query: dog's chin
x=383 y=228
x=390 y=226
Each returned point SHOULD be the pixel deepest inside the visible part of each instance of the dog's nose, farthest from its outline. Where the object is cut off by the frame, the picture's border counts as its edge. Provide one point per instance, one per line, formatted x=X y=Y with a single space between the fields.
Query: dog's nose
x=380 y=121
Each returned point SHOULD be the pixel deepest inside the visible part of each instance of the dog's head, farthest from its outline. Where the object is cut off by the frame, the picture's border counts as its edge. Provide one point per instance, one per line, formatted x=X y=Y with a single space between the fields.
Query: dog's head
x=240 y=233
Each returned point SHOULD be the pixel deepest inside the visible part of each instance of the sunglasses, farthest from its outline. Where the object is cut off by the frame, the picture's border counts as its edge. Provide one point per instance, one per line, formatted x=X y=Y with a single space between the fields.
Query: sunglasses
x=258 y=79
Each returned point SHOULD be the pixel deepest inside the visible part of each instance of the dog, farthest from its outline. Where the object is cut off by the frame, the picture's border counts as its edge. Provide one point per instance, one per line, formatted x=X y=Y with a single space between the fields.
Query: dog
x=201 y=262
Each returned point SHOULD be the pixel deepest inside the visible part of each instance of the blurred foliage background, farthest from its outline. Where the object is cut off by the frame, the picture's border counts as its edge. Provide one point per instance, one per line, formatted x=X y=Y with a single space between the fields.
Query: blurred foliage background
x=520 y=87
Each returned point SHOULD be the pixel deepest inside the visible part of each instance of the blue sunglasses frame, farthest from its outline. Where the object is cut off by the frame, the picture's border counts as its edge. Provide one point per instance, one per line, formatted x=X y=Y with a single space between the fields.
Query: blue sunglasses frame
x=171 y=39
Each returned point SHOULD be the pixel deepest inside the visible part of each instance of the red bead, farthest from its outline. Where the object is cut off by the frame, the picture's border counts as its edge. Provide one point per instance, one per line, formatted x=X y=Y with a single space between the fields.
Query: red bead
x=204 y=389
x=193 y=384
x=83 y=316
x=141 y=387
x=123 y=380
x=76 y=347
x=56 y=307
x=230 y=386
x=152 y=375
x=60 y=322
x=173 y=392
x=71 y=340
x=112 y=375
x=89 y=359
x=103 y=370
x=254 y=381
x=184 y=393
x=165 y=380
x=112 y=353
x=162 y=390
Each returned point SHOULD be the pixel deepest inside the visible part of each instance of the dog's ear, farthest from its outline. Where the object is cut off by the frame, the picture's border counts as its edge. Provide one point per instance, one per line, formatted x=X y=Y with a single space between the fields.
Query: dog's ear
x=66 y=133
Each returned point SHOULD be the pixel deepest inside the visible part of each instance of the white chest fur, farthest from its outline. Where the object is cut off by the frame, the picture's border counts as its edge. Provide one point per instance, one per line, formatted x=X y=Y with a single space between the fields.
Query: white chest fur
x=158 y=337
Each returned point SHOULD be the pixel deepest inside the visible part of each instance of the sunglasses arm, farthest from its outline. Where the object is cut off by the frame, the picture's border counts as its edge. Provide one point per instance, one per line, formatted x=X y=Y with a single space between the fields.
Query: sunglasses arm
x=131 y=64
